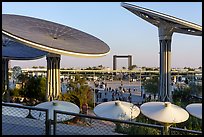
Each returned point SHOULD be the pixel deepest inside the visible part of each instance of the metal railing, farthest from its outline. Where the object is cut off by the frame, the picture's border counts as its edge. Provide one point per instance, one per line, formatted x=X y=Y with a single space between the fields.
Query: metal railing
x=18 y=120
x=23 y=122
x=180 y=131
x=93 y=125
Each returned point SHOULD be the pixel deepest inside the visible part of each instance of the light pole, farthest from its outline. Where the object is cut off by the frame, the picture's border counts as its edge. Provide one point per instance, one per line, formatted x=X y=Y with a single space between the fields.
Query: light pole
x=140 y=84
x=94 y=90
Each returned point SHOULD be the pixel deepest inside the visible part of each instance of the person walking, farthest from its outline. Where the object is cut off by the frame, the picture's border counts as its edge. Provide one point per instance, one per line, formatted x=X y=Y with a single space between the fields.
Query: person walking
x=154 y=96
x=130 y=98
x=112 y=96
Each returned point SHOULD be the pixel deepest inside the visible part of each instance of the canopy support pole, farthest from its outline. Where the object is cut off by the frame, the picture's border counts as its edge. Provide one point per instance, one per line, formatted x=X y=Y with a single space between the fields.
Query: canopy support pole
x=53 y=77
x=5 y=78
x=165 y=35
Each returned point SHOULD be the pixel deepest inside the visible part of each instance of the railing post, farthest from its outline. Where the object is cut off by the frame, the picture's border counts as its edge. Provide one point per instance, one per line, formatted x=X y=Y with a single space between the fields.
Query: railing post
x=162 y=131
x=47 y=124
x=54 y=123
x=48 y=127
x=169 y=131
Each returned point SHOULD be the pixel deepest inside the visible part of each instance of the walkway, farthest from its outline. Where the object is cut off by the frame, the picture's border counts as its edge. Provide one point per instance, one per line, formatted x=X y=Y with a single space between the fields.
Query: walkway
x=24 y=126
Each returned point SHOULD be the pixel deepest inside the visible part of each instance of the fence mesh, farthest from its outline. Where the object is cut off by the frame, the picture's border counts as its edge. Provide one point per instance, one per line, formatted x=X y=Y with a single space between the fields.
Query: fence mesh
x=131 y=129
x=18 y=120
x=82 y=125
x=24 y=120
x=176 y=131
x=85 y=126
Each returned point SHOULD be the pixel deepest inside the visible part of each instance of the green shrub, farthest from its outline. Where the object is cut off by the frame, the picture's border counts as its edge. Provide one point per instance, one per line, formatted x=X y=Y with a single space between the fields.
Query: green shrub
x=136 y=130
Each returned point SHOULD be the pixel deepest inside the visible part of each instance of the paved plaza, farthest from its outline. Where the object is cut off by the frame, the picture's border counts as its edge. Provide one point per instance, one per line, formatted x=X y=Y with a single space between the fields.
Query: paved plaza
x=24 y=126
x=106 y=94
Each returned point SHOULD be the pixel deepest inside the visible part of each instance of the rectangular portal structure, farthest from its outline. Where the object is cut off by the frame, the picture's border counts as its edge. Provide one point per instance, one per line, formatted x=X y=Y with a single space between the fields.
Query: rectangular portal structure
x=121 y=56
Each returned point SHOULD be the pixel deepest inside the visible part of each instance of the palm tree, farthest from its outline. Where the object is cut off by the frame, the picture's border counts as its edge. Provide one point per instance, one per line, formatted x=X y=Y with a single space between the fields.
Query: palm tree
x=78 y=95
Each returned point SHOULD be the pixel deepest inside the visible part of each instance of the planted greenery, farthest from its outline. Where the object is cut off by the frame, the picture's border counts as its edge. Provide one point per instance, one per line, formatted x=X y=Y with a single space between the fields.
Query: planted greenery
x=79 y=92
x=32 y=88
x=151 y=85
x=136 y=129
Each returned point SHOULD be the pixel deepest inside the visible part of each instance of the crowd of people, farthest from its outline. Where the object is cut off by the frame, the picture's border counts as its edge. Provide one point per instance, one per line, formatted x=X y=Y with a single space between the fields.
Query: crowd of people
x=104 y=93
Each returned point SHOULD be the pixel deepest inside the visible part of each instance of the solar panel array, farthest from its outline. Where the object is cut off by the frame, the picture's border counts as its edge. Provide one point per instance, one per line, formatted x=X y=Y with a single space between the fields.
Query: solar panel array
x=158 y=19
x=17 y=51
x=52 y=35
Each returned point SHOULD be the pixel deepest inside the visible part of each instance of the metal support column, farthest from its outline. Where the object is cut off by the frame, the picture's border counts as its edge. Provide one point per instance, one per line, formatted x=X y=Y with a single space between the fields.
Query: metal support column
x=114 y=62
x=165 y=34
x=53 y=77
x=129 y=61
x=5 y=78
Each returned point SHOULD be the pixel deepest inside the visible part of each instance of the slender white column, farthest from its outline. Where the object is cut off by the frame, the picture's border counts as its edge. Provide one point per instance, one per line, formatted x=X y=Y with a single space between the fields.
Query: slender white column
x=53 y=77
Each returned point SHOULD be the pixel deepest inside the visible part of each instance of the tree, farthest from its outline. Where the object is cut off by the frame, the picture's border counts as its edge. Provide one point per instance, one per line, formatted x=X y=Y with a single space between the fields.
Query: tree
x=132 y=67
x=22 y=78
x=35 y=67
x=16 y=71
x=181 y=96
x=195 y=89
x=15 y=92
x=79 y=95
x=152 y=85
x=100 y=66
x=41 y=67
x=149 y=69
x=143 y=68
x=36 y=88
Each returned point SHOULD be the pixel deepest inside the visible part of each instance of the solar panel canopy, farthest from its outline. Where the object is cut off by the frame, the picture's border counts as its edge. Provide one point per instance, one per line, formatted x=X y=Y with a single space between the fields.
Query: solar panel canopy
x=158 y=19
x=14 y=50
x=52 y=37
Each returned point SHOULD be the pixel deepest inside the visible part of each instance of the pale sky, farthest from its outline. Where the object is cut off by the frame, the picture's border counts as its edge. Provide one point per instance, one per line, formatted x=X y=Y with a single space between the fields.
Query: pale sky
x=124 y=32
